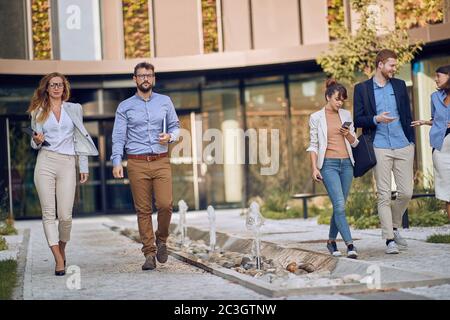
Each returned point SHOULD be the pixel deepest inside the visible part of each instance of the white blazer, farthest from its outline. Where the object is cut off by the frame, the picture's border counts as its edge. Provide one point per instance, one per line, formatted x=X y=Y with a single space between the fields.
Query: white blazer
x=84 y=146
x=318 y=134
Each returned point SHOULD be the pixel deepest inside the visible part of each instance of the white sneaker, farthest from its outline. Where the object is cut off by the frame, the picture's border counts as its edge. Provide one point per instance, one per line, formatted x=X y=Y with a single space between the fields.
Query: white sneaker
x=352 y=254
x=333 y=249
x=392 y=248
x=399 y=240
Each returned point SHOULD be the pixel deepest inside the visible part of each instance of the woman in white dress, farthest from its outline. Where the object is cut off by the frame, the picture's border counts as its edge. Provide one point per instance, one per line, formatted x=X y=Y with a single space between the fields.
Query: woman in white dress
x=440 y=134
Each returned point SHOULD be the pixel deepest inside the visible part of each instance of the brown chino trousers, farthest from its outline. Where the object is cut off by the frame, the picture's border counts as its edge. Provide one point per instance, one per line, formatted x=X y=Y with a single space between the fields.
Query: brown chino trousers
x=147 y=177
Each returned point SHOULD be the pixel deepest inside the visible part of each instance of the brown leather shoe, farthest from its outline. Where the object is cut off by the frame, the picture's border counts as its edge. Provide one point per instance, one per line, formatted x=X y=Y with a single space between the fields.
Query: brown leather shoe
x=150 y=263
x=161 y=253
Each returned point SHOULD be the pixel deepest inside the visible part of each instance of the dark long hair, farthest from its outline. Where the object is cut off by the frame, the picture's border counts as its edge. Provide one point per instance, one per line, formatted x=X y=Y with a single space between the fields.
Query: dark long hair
x=332 y=86
x=445 y=70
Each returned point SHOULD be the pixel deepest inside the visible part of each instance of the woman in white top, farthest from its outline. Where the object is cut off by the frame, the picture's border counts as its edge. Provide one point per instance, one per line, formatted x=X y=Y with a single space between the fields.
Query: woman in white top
x=440 y=134
x=332 y=137
x=60 y=138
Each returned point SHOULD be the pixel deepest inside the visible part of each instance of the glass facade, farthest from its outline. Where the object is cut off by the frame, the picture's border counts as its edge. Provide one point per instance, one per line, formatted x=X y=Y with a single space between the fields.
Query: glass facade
x=307 y=96
x=266 y=108
x=251 y=104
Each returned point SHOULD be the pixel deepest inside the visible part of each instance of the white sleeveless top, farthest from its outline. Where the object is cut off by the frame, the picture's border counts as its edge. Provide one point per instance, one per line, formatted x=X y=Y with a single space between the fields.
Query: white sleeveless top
x=59 y=134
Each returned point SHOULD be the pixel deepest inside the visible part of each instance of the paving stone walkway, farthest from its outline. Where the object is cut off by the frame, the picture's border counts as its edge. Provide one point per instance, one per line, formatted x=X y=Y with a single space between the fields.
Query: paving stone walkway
x=110 y=264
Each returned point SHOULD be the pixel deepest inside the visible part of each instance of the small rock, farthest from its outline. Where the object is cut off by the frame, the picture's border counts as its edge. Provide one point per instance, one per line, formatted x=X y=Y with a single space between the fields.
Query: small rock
x=239 y=269
x=248 y=266
x=308 y=267
x=203 y=256
x=252 y=272
x=351 y=278
x=300 y=272
x=269 y=262
x=228 y=265
x=245 y=260
x=292 y=267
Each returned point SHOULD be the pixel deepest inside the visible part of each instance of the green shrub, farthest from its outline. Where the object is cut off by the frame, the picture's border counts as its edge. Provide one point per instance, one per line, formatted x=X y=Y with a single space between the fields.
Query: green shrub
x=427 y=219
x=324 y=217
x=362 y=200
x=6 y=221
x=277 y=215
x=3 y=244
x=7 y=228
x=8 y=278
x=277 y=201
x=295 y=212
x=276 y=206
x=439 y=238
x=366 y=222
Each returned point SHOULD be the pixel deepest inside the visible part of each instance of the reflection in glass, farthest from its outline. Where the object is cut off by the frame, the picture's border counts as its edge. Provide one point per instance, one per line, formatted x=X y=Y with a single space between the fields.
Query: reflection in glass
x=307 y=97
x=182 y=170
x=266 y=109
x=118 y=192
x=224 y=180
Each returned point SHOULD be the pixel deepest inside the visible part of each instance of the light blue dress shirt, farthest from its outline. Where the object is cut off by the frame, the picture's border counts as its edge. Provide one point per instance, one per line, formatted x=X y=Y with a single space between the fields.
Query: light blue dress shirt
x=138 y=124
x=440 y=114
x=388 y=135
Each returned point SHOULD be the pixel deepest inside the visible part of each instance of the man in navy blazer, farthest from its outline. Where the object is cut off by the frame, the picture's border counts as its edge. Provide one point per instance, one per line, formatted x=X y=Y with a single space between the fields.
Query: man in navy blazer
x=382 y=109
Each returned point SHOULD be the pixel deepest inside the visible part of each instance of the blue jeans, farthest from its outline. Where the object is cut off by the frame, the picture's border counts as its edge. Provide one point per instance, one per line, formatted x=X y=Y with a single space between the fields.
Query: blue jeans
x=337 y=177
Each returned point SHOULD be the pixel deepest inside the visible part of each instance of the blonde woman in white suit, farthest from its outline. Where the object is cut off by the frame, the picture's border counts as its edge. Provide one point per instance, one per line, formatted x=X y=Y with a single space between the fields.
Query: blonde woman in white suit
x=60 y=124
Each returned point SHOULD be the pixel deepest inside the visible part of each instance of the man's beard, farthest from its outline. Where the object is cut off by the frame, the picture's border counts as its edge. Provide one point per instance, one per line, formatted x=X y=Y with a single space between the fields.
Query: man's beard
x=145 y=89
x=387 y=75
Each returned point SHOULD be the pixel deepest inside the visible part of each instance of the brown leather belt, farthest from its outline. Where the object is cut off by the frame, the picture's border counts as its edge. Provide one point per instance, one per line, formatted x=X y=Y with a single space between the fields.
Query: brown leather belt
x=147 y=157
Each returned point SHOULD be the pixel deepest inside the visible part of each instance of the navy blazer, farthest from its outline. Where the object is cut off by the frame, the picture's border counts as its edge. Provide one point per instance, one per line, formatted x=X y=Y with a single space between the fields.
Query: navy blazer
x=365 y=121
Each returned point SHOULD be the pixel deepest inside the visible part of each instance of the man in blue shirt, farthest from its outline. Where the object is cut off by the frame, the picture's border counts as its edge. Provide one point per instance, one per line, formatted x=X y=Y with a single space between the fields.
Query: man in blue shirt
x=144 y=125
x=387 y=121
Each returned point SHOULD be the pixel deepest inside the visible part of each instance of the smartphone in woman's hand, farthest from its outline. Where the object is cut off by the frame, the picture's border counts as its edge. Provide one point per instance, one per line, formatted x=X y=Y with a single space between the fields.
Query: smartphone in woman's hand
x=346 y=124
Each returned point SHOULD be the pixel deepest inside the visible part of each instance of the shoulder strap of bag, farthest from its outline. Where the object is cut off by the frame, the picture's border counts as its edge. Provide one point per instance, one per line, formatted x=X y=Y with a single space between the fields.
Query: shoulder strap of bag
x=366 y=101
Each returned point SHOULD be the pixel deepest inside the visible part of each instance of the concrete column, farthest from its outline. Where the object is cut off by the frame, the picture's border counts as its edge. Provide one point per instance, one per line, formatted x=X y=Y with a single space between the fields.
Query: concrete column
x=112 y=29
x=236 y=25
x=276 y=23
x=314 y=21
x=178 y=27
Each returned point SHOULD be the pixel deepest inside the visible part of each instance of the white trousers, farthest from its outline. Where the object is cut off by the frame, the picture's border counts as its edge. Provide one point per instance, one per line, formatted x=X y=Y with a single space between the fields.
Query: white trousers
x=55 y=181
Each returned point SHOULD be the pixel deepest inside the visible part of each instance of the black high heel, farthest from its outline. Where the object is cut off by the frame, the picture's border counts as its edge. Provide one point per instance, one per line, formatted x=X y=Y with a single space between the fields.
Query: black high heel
x=60 y=272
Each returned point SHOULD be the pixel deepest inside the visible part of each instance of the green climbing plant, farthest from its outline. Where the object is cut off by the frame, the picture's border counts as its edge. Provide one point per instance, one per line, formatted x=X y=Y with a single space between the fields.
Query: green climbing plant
x=355 y=52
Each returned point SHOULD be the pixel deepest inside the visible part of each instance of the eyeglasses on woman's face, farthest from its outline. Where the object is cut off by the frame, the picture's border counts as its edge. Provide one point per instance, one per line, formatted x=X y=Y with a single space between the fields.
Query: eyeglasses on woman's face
x=55 y=85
